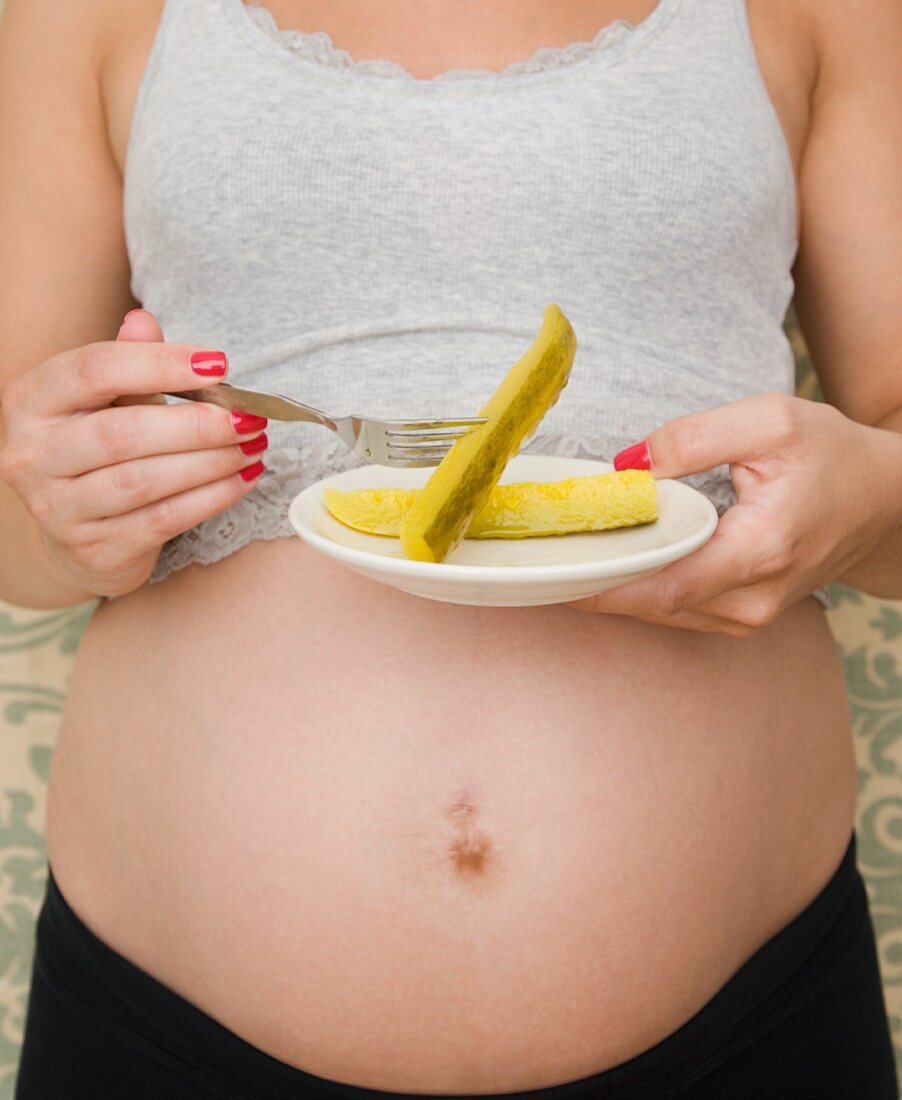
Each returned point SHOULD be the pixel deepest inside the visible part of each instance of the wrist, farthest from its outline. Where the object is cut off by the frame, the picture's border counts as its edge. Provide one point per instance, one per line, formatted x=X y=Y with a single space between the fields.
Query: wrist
x=876 y=566
x=28 y=577
x=61 y=585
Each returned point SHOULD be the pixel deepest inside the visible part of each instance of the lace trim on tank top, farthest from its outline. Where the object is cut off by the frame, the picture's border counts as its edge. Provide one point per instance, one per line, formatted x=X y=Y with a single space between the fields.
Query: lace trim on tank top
x=318 y=46
x=263 y=513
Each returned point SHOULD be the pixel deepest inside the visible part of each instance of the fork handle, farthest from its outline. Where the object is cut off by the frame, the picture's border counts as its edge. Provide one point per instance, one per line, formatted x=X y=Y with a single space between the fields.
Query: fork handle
x=271 y=405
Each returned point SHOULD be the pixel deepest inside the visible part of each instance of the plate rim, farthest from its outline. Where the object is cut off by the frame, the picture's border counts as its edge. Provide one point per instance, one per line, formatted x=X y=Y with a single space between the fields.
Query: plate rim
x=501 y=574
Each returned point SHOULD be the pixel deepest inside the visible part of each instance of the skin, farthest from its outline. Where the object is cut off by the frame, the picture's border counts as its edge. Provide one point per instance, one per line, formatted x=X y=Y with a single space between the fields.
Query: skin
x=473 y=839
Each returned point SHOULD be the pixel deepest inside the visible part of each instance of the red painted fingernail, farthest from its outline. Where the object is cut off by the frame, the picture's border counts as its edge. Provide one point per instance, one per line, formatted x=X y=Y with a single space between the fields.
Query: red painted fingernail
x=254 y=446
x=209 y=363
x=245 y=423
x=635 y=457
x=250 y=472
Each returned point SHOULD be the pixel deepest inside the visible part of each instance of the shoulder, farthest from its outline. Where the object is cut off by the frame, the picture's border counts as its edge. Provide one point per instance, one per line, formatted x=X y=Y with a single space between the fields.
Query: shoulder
x=855 y=42
x=820 y=54
x=73 y=34
x=80 y=35
x=90 y=55
x=831 y=37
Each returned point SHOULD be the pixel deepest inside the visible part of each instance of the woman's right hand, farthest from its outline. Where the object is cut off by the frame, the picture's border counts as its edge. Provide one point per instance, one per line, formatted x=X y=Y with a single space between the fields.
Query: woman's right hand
x=107 y=469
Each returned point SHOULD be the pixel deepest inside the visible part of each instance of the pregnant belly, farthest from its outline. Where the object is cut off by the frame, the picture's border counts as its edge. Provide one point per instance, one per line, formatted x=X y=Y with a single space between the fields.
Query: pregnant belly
x=425 y=847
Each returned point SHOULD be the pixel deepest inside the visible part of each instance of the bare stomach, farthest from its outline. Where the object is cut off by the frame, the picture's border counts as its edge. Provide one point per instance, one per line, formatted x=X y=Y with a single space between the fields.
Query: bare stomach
x=425 y=847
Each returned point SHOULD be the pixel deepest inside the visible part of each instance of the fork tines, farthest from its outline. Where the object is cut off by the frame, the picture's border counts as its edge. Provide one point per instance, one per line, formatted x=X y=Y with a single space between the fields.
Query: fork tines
x=422 y=441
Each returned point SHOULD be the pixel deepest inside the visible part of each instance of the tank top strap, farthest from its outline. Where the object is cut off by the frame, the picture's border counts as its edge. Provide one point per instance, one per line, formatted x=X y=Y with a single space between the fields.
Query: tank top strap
x=192 y=38
x=721 y=24
x=179 y=36
x=193 y=33
x=714 y=36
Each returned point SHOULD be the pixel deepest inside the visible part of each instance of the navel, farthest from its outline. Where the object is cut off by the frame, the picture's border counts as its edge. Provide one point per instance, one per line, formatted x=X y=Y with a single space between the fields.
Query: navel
x=469 y=848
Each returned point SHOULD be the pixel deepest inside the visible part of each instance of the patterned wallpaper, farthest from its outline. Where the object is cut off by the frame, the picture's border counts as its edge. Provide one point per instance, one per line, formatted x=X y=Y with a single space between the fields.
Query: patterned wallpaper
x=36 y=653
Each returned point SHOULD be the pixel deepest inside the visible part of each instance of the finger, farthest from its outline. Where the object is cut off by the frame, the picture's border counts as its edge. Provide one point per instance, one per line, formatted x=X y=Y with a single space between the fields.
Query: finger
x=755 y=429
x=127 y=486
x=139 y=399
x=755 y=605
x=140 y=324
x=92 y=376
x=155 y=523
x=108 y=436
x=741 y=551
x=682 y=620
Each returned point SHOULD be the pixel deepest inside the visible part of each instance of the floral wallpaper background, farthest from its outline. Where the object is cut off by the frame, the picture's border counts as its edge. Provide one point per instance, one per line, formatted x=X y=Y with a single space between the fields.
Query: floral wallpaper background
x=36 y=654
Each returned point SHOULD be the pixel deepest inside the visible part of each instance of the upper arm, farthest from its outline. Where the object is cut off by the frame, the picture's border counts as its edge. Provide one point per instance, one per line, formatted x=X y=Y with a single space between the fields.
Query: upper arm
x=849 y=268
x=64 y=279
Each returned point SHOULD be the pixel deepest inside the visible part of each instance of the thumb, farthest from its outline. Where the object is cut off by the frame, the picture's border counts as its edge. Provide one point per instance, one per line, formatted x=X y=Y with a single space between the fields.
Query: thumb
x=745 y=431
x=140 y=325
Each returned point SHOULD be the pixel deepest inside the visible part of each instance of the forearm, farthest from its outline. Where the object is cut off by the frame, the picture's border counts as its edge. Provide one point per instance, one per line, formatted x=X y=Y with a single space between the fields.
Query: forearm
x=879 y=571
x=27 y=577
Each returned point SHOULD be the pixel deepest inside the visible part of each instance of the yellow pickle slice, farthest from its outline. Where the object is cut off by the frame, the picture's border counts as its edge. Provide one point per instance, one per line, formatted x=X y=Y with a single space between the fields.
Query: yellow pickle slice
x=517 y=510
x=460 y=486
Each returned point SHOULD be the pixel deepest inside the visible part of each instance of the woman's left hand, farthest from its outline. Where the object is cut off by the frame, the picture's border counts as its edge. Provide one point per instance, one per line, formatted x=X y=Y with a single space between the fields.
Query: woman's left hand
x=814 y=489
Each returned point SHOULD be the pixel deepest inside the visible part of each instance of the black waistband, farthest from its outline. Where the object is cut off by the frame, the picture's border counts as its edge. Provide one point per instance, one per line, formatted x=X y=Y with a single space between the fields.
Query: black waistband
x=72 y=956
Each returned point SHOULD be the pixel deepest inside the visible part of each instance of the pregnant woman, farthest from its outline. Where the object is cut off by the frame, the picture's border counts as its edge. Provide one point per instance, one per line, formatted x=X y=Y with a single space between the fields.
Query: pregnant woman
x=312 y=836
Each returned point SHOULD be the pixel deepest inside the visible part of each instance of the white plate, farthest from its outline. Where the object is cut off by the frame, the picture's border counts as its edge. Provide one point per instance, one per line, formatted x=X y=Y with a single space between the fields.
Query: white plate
x=509 y=572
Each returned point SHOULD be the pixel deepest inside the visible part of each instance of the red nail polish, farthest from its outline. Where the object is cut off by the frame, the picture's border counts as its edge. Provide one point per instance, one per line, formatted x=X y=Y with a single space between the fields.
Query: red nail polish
x=636 y=457
x=245 y=423
x=254 y=446
x=250 y=472
x=208 y=363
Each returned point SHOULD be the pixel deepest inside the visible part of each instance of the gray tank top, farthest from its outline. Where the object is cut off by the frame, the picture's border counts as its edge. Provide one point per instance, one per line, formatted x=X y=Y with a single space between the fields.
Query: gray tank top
x=373 y=242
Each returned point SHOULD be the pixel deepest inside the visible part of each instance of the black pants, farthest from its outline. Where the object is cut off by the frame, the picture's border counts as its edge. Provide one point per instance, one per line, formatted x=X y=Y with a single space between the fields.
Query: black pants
x=803 y=1019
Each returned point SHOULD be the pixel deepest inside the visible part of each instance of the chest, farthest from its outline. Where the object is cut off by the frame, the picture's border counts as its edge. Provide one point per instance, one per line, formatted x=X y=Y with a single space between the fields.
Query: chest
x=427 y=39
x=654 y=150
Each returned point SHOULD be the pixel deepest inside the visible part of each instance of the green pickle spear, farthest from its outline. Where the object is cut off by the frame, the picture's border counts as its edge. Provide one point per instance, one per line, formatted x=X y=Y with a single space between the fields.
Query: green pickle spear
x=463 y=481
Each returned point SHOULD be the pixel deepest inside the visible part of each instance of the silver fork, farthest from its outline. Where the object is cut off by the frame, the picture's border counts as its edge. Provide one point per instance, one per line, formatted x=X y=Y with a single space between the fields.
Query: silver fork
x=387 y=442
